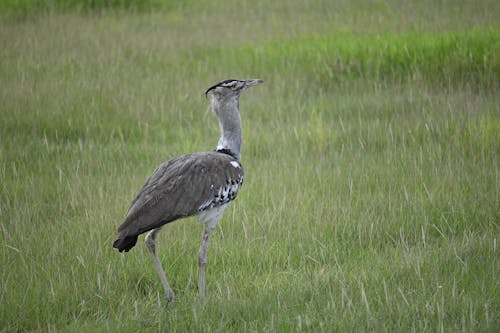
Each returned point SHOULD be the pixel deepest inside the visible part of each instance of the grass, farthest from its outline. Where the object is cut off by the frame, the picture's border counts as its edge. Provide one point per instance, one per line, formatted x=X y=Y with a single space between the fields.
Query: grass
x=371 y=200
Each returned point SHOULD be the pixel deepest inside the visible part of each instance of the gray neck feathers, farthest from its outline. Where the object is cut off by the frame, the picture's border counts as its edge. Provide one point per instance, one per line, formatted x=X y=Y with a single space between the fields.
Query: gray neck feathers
x=227 y=110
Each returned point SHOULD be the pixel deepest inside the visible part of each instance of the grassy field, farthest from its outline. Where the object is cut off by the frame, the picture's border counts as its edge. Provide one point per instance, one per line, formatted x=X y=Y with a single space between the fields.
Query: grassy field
x=371 y=199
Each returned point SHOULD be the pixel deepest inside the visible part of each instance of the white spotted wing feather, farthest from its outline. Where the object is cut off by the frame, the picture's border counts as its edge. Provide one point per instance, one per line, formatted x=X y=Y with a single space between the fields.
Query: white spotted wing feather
x=185 y=186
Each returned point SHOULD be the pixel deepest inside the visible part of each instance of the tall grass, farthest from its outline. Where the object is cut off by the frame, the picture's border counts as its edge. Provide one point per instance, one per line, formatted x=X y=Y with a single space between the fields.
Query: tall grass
x=371 y=156
x=22 y=9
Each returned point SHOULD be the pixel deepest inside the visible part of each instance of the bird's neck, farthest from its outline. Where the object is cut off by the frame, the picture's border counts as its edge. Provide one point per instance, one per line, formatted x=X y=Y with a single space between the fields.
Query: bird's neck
x=230 y=125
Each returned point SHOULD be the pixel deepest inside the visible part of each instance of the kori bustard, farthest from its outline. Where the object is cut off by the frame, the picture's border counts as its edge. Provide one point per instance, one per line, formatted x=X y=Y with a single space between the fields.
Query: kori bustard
x=200 y=184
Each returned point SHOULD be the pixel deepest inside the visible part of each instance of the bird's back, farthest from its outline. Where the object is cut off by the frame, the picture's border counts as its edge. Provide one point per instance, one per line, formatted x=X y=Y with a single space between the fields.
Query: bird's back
x=181 y=187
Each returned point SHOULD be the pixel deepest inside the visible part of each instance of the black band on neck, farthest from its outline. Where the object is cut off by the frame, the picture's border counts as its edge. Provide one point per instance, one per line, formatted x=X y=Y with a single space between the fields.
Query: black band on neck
x=226 y=151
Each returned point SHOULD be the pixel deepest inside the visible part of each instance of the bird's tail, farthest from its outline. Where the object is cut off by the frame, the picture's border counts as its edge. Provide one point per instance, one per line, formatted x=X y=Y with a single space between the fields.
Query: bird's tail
x=125 y=244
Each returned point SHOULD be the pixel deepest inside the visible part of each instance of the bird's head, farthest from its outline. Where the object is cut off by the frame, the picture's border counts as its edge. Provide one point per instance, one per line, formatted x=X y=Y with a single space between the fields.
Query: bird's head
x=231 y=87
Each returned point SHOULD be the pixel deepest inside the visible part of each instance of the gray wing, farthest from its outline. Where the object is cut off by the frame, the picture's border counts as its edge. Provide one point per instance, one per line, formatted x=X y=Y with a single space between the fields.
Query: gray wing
x=183 y=187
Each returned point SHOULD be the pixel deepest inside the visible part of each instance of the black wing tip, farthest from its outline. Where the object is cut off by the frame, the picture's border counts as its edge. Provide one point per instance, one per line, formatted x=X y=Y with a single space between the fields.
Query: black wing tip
x=125 y=244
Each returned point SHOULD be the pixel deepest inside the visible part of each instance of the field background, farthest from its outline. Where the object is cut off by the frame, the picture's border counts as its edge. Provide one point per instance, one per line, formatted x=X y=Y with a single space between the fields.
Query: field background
x=371 y=200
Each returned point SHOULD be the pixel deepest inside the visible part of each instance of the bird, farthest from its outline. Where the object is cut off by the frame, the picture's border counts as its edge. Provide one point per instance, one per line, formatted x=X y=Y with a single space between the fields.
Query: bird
x=201 y=184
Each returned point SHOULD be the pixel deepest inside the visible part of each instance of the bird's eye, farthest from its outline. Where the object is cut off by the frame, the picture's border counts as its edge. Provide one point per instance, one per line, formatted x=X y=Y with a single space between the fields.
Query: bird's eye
x=232 y=85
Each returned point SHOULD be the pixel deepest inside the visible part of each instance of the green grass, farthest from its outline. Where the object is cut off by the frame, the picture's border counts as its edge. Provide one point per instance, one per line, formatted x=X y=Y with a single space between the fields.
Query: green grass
x=371 y=200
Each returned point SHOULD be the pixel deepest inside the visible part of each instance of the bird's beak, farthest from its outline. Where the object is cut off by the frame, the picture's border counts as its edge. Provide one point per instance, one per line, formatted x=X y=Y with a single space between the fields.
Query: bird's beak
x=253 y=82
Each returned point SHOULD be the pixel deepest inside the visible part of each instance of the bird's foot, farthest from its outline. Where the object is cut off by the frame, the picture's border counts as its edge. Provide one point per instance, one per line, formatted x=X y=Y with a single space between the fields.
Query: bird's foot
x=170 y=296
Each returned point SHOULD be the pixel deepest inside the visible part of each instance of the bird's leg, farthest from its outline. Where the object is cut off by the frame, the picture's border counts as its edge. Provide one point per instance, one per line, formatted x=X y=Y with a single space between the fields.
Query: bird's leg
x=202 y=260
x=150 y=243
